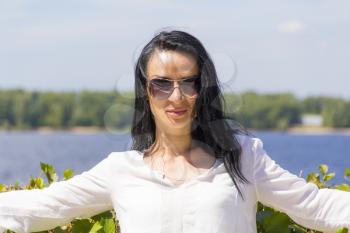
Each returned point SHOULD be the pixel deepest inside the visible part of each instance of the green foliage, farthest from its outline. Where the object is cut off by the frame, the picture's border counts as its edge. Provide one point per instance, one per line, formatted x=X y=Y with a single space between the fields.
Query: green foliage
x=35 y=183
x=336 y=113
x=49 y=172
x=68 y=173
x=347 y=173
x=343 y=230
x=343 y=187
x=323 y=169
x=271 y=221
x=268 y=220
x=313 y=105
x=321 y=179
x=278 y=111
x=29 y=110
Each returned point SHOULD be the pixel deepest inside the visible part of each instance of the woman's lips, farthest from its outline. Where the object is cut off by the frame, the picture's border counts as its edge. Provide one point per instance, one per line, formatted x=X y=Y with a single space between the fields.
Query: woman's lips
x=177 y=112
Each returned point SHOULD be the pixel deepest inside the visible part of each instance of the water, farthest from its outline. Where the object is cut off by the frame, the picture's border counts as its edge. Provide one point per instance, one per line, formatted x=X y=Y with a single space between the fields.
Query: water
x=21 y=152
x=304 y=153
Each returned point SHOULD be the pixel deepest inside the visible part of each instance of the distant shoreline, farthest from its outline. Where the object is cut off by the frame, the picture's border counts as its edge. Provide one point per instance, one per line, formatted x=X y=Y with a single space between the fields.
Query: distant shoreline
x=93 y=129
x=318 y=130
x=312 y=130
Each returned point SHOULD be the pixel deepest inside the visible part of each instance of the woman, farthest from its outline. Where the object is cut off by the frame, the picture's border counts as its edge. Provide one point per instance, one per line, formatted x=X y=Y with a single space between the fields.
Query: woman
x=191 y=169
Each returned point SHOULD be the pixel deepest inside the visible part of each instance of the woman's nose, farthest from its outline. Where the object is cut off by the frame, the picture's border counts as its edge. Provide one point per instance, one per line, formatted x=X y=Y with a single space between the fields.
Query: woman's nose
x=176 y=95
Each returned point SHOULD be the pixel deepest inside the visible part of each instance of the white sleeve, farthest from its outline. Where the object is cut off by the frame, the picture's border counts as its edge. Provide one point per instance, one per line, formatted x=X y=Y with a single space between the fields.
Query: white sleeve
x=319 y=209
x=83 y=195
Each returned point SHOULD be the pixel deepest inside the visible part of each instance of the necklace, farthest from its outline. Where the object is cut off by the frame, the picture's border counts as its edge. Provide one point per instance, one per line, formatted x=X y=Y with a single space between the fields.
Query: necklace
x=169 y=176
x=175 y=179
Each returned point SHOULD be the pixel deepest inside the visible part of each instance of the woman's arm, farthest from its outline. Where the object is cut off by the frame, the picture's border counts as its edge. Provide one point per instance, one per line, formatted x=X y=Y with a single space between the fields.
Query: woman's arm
x=83 y=195
x=319 y=209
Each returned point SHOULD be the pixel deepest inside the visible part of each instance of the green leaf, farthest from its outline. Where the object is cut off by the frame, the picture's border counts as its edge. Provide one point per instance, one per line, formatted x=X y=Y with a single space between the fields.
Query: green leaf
x=9 y=231
x=347 y=172
x=343 y=187
x=31 y=183
x=16 y=186
x=311 y=177
x=96 y=227
x=68 y=173
x=2 y=187
x=39 y=183
x=323 y=169
x=328 y=177
x=260 y=206
x=277 y=223
x=342 y=230
x=49 y=172
x=314 y=178
x=109 y=226
x=297 y=229
x=81 y=225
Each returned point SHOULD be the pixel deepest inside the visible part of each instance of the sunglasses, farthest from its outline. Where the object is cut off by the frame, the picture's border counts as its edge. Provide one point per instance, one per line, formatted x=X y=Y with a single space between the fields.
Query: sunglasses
x=161 y=88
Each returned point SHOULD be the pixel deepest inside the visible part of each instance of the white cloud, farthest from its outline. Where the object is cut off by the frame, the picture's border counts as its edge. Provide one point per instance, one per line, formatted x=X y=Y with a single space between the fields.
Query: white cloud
x=291 y=26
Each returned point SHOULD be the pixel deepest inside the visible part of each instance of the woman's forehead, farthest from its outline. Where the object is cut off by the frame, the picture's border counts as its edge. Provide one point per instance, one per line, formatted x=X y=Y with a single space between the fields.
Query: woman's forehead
x=171 y=64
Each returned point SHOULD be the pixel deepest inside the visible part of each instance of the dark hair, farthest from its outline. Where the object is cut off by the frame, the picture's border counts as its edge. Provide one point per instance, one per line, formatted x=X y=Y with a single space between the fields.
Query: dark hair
x=210 y=125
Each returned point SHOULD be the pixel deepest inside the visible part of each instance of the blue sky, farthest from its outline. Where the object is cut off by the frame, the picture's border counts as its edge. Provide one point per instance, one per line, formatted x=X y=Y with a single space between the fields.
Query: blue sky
x=300 y=46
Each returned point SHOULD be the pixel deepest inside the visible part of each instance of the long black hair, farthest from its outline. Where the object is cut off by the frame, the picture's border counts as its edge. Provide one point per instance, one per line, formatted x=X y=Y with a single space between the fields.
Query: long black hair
x=210 y=125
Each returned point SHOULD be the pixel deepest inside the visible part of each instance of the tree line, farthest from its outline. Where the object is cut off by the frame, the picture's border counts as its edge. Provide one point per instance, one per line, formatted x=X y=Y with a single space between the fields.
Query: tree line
x=284 y=110
x=20 y=109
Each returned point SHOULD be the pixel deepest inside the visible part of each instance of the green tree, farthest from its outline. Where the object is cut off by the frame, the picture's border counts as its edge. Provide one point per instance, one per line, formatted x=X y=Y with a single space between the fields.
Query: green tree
x=268 y=111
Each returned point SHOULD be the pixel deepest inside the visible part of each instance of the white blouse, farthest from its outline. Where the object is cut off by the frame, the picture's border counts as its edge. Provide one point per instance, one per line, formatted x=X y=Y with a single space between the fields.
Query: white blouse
x=147 y=203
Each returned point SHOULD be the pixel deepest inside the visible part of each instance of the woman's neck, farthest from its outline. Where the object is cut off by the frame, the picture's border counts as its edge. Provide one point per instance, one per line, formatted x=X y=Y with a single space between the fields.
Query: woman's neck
x=174 y=144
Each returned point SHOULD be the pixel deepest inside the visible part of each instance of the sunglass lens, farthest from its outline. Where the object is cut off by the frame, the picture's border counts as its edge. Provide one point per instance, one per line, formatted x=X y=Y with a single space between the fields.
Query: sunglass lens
x=161 y=88
x=190 y=87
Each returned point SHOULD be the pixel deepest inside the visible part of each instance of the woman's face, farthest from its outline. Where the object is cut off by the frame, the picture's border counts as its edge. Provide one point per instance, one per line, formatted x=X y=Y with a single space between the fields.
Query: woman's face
x=174 y=113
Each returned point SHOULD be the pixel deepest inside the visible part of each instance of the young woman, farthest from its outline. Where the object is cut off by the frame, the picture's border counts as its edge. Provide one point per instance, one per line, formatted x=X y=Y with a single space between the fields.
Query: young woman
x=191 y=169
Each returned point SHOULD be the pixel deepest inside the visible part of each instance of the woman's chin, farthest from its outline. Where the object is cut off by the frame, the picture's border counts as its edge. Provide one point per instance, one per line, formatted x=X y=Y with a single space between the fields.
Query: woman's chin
x=179 y=122
x=180 y=125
